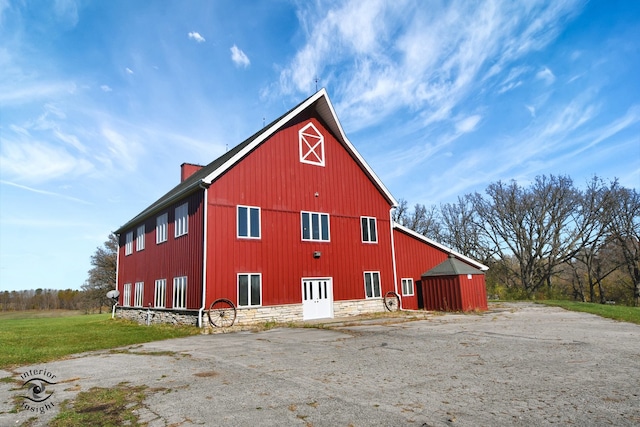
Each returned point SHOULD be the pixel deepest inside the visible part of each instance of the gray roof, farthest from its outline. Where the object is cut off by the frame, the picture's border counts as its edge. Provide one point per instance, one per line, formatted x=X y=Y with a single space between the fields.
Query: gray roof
x=318 y=102
x=451 y=267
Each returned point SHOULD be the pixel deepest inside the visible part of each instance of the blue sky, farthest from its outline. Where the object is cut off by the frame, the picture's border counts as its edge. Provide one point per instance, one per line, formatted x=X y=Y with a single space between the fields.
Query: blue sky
x=101 y=101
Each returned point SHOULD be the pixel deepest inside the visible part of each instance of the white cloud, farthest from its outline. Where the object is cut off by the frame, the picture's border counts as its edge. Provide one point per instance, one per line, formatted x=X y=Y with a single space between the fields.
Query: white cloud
x=106 y=88
x=128 y=70
x=38 y=191
x=123 y=151
x=468 y=125
x=196 y=36
x=388 y=56
x=531 y=109
x=546 y=75
x=239 y=57
x=17 y=94
x=39 y=162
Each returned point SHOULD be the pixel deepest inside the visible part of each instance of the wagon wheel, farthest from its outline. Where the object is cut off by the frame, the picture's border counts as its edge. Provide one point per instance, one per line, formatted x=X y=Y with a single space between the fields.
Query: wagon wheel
x=222 y=313
x=392 y=301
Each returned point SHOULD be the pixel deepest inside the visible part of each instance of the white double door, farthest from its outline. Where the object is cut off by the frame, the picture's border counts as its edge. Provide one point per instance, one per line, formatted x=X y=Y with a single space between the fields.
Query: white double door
x=317 y=298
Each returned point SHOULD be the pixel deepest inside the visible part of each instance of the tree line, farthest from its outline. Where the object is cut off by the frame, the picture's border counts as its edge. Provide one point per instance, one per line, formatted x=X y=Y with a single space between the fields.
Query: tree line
x=90 y=298
x=549 y=239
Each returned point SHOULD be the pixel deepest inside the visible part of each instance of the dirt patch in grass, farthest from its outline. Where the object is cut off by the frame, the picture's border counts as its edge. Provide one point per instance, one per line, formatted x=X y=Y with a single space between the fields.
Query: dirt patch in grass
x=102 y=407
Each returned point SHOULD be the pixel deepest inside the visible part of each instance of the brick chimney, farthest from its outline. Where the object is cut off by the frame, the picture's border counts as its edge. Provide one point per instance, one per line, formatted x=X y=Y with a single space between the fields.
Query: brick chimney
x=188 y=169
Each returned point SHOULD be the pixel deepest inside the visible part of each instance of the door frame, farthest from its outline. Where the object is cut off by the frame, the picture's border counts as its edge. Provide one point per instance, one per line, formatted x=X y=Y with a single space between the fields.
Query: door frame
x=329 y=295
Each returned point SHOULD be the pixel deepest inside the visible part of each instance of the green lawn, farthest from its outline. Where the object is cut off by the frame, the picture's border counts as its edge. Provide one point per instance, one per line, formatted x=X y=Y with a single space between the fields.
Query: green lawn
x=616 y=312
x=40 y=339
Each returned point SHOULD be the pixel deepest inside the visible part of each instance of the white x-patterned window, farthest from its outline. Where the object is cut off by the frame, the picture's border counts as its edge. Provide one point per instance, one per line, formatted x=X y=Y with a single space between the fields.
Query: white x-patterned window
x=311 y=145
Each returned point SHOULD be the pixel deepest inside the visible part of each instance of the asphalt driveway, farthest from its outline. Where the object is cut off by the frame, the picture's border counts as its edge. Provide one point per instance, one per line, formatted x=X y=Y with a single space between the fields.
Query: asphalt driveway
x=519 y=364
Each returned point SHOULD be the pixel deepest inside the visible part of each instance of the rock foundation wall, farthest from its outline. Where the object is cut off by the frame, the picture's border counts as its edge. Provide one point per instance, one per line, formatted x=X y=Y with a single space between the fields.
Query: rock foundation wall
x=247 y=316
x=156 y=316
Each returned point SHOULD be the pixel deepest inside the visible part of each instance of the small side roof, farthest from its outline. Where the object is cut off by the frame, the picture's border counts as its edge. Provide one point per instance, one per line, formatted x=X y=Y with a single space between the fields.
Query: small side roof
x=319 y=102
x=451 y=267
x=442 y=247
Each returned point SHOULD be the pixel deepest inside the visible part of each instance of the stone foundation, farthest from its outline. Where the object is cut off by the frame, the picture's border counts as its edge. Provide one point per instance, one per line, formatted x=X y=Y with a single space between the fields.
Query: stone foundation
x=357 y=307
x=158 y=315
x=247 y=316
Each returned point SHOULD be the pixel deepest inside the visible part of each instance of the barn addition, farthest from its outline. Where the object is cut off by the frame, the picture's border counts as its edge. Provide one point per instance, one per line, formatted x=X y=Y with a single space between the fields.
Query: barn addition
x=291 y=224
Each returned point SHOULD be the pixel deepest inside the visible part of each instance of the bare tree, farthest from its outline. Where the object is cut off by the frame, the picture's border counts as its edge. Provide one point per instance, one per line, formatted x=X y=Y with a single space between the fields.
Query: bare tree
x=102 y=277
x=423 y=220
x=625 y=229
x=592 y=261
x=462 y=232
x=539 y=226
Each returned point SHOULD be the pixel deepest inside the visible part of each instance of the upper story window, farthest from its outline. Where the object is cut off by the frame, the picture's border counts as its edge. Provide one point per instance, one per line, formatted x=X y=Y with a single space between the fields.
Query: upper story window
x=315 y=226
x=369 y=230
x=311 y=145
x=140 y=238
x=161 y=228
x=128 y=246
x=182 y=220
x=249 y=222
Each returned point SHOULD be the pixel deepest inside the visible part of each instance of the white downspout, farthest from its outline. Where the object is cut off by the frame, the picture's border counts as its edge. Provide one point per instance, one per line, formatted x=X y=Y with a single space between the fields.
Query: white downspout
x=204 y=256
x=393 y=255
x=113 y=311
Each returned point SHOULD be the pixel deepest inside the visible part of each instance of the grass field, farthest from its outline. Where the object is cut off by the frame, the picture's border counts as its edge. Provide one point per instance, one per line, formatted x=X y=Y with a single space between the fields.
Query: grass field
x=27 y=337
x=616 y=312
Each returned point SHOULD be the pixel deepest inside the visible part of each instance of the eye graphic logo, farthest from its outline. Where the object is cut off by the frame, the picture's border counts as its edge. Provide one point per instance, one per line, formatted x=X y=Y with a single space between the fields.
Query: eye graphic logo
x=36 y=391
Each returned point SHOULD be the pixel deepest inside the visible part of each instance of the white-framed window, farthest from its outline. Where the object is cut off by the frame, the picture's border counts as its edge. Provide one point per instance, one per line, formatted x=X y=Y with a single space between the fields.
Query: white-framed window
x=249 y=290
x=311 y=145
x=369 y=229
x=159 y=293
x=140 y=238
x=248 y=222
x=138 y=300
x=407 y=287
x=180 y=292
x=128 y=246
x=372 y=284
x=161 y=228
x=182 y=220
x=315 y=226
x=126 y=295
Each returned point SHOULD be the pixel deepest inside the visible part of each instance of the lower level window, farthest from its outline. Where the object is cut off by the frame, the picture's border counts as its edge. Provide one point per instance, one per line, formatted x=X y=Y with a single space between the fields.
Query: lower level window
x=160 y=293
x=407 y=286
x=249 y=290
x=180 y=292
x=372 y=284
x=126 y=295
x=139 y=295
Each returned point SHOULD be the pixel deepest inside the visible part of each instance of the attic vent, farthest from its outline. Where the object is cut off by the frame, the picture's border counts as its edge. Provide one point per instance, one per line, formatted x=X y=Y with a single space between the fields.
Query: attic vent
x=311 y=145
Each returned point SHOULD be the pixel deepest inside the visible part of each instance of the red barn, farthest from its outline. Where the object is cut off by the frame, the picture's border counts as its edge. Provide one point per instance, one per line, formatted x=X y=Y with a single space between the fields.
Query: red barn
x=290 y=224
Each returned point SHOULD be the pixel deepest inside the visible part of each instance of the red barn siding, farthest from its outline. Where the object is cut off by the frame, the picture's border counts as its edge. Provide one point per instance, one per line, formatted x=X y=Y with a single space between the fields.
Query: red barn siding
x=441 y=293
x=413 y=258
x=273 y=178
x=181 y=256
x=454 y=293
x=473 y=292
